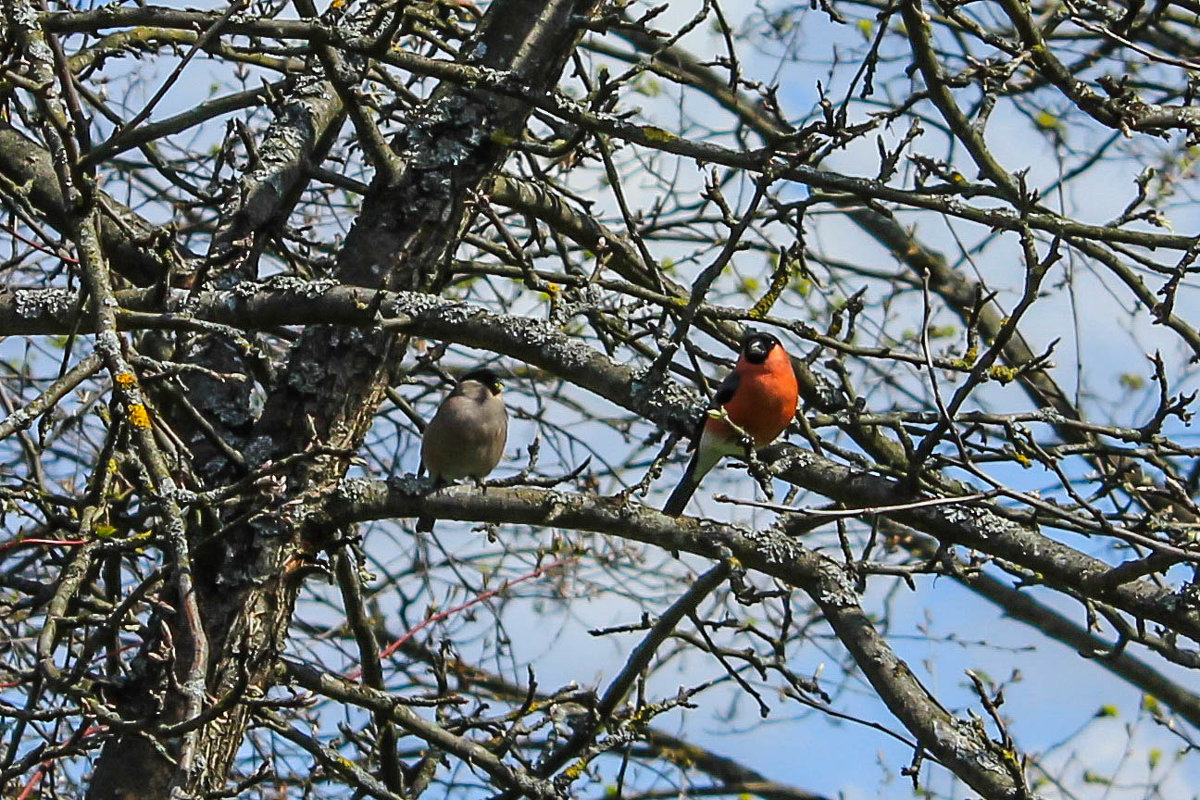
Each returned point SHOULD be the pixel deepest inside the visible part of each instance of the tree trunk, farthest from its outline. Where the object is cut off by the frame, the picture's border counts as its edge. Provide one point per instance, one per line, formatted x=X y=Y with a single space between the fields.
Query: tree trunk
x=326 y=398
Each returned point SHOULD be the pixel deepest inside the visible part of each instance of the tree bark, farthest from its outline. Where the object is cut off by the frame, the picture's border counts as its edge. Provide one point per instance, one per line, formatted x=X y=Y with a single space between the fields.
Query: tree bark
x=325 y=400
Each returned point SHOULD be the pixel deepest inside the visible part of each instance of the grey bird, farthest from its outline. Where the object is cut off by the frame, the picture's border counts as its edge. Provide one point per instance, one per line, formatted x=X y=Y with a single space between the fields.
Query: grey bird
x=466 y=437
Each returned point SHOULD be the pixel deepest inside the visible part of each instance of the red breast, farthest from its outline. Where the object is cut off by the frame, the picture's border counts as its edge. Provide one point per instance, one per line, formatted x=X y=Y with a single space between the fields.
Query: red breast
x=764 y=401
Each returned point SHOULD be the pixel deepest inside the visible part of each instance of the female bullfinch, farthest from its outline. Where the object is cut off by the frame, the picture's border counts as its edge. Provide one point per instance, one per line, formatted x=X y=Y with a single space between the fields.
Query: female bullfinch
x=466 y=437
x=759 y=397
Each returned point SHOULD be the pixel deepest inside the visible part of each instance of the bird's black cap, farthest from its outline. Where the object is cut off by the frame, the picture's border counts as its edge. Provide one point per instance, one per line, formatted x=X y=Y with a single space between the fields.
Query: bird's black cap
x=757 y=345
x=485 y=376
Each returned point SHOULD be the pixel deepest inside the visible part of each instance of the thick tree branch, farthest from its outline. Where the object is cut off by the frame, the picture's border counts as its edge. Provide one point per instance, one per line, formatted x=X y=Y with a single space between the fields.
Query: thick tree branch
x=962 y=746
x=1013 y=536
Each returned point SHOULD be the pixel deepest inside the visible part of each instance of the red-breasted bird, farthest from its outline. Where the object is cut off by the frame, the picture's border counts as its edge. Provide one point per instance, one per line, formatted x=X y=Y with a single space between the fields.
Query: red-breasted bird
x=466 y=437
x=759 y=397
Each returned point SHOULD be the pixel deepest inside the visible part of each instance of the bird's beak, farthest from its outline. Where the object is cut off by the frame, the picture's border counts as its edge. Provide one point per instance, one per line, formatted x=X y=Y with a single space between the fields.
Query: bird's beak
x=758 y=349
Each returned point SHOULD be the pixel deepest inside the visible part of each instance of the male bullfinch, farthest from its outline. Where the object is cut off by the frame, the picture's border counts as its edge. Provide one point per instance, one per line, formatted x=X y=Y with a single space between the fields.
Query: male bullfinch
x=466 y=437
x=759 y=397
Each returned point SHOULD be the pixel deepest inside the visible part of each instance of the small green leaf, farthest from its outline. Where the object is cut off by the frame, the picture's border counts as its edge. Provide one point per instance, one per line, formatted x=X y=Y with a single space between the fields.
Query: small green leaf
x=1047 y=121
x=647 y=86
x=942 y=331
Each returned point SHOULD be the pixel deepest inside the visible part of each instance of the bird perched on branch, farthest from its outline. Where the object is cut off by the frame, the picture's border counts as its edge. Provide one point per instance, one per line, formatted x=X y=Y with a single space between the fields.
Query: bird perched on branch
x=466 y=437
x=756 y=400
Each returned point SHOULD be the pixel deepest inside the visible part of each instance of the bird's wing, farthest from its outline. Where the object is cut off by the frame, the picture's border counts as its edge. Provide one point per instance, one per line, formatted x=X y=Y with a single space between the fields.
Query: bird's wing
x=724 y=394
x=726 y=390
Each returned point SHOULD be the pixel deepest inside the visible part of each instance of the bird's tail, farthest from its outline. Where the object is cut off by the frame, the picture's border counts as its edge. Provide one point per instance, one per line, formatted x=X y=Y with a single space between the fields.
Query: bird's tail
x=424 y=522
x=679 y=498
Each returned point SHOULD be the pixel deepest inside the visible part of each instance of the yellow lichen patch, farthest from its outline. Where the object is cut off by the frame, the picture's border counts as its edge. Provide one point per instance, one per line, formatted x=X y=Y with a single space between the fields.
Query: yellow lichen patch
x=139 y=417
x=1003 y=374
x=779 y=282
x=657 y=135
x=681 y=756
x=126 y=380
